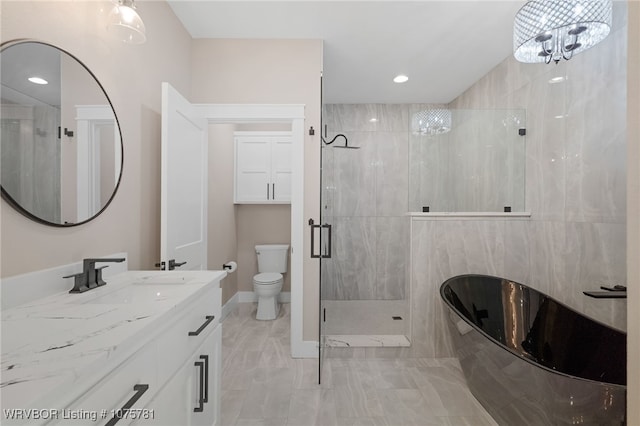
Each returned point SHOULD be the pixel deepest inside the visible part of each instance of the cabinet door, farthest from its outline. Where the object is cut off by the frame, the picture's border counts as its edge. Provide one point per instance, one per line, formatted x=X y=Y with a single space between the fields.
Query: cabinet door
x=190 y=397
x=253 y=170
x=281 y=169
x=210 y=355
x=130 y=384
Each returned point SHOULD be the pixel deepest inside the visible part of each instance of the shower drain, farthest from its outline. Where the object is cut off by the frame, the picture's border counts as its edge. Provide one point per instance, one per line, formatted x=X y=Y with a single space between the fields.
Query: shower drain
x=397 y=318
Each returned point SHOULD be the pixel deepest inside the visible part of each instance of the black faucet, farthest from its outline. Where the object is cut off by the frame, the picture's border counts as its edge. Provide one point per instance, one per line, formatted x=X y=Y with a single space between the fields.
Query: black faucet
x=91 y=277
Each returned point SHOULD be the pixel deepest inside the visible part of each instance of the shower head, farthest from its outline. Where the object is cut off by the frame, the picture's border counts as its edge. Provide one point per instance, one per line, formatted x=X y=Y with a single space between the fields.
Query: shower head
x=346 y=142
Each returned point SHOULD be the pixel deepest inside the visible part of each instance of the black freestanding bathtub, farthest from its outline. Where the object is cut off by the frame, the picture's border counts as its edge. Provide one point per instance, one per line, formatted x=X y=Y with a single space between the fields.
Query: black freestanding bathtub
x=531 y=360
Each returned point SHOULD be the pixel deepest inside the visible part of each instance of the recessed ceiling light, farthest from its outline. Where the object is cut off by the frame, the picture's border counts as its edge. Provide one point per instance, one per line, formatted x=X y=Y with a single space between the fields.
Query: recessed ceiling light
x=38 y=80
x=559 y=79
x=373 y=120
x=400 y=78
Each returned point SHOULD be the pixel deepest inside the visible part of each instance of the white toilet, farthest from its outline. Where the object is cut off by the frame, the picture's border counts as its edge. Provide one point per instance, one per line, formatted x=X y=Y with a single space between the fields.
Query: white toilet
x=272 y=263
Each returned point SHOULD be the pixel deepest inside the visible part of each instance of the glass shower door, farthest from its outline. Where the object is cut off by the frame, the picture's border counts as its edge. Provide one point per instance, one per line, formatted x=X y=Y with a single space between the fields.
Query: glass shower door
x=323 y=250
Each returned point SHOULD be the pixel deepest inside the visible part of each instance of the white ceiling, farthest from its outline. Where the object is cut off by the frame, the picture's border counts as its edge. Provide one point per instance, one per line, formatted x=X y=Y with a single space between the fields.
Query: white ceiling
x=443 y=46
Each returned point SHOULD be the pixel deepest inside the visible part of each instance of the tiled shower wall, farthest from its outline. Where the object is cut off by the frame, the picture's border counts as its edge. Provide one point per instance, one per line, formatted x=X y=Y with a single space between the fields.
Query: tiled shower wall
x=575 y=190
x=364 y=198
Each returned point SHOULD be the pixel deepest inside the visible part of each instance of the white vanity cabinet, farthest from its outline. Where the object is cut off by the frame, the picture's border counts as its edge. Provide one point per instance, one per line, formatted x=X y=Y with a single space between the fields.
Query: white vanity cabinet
x=129 y=385
x=190 y=354
x=155 y=361
x=191 y=396
x=262 y=168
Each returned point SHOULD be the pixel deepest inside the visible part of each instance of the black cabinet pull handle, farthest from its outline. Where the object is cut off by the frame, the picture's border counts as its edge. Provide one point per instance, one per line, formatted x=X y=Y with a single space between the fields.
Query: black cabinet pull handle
x=139 y=389
x=267 y=190
x=200 y=407
x=206 y=377
x=208 y=318
x=273 y=191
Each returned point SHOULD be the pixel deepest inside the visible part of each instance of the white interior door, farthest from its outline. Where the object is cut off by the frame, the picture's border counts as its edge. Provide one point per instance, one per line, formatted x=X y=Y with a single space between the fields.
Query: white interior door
x=184 y=183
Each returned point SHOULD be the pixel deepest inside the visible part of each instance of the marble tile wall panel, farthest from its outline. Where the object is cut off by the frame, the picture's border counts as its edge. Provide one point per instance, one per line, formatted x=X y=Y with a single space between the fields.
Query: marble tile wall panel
x=328 y=278
x=45 y=165
x=353 y=118
x=392 y=118
x=354 y=175
x=429 y=180
x=392 y=259
x=416 y=155
x=518 y=240
x=392 y=179
x=355 y=258
x=592 y=260
x=30 y=149
x=518 y=152
x=424 y=289
x=362 y=185
x=596 y=134
x=328 y=185
x=546 y=146
x=547 y=256
x=479 y=164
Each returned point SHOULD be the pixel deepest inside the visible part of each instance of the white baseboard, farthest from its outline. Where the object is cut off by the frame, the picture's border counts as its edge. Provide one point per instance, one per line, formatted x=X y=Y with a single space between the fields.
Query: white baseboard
x=304 y=349
x=250 y=297
x=228 y=307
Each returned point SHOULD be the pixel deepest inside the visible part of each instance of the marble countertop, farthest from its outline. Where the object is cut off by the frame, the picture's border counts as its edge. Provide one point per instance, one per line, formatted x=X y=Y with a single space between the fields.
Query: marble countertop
x=54 y=347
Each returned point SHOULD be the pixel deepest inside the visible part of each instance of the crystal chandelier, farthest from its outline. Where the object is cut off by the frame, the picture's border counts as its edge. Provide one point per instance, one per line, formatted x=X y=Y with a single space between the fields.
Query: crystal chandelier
x=431 y=122
x=550 y=30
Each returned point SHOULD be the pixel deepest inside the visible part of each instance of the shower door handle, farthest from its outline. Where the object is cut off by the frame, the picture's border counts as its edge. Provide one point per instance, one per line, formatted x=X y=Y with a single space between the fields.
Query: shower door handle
x=313 y=227
x=327 y=253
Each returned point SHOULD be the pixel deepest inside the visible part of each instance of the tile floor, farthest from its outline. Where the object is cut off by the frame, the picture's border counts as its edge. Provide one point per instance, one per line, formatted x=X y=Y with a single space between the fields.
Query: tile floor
x=263 y=385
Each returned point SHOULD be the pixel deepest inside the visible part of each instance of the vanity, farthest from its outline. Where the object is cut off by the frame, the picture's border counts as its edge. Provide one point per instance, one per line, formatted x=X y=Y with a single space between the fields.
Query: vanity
x=143 y=349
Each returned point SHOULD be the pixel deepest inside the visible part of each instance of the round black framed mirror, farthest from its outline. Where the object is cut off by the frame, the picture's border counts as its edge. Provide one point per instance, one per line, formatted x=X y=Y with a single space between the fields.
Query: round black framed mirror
x=60 y=143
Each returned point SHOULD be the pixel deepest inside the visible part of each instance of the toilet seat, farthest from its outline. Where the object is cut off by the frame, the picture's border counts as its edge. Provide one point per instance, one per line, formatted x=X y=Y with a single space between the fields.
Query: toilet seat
x=266 y=278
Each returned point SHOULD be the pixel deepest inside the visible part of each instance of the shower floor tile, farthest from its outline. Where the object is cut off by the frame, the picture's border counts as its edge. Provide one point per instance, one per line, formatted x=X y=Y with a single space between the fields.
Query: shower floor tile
x=367 y=340
x=366 y=317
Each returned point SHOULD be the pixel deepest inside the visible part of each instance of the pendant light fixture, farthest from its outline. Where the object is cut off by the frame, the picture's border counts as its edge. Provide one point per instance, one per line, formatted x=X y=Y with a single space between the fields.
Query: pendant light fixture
x=431 y=122
x=126 y=23
x=551 y=30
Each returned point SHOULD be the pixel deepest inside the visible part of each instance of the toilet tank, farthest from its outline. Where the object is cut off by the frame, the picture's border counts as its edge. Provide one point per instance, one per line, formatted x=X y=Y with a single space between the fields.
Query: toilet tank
x=272 y=257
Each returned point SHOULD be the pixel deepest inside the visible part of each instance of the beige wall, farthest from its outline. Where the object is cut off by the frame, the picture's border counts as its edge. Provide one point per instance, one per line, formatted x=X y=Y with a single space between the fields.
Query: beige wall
x=222 y=246
x=234 y=230
x=131 y=75
x=270 y=72
x=261 y=224
x=633 y=215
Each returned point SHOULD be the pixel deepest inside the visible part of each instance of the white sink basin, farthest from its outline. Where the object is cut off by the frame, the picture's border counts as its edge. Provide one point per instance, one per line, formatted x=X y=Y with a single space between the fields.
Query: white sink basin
x=131 y=294
x=171 y=279
x=138 y=287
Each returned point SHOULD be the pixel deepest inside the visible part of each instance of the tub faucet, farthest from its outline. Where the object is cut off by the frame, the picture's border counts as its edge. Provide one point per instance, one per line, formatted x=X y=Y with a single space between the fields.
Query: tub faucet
x=91 y=277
